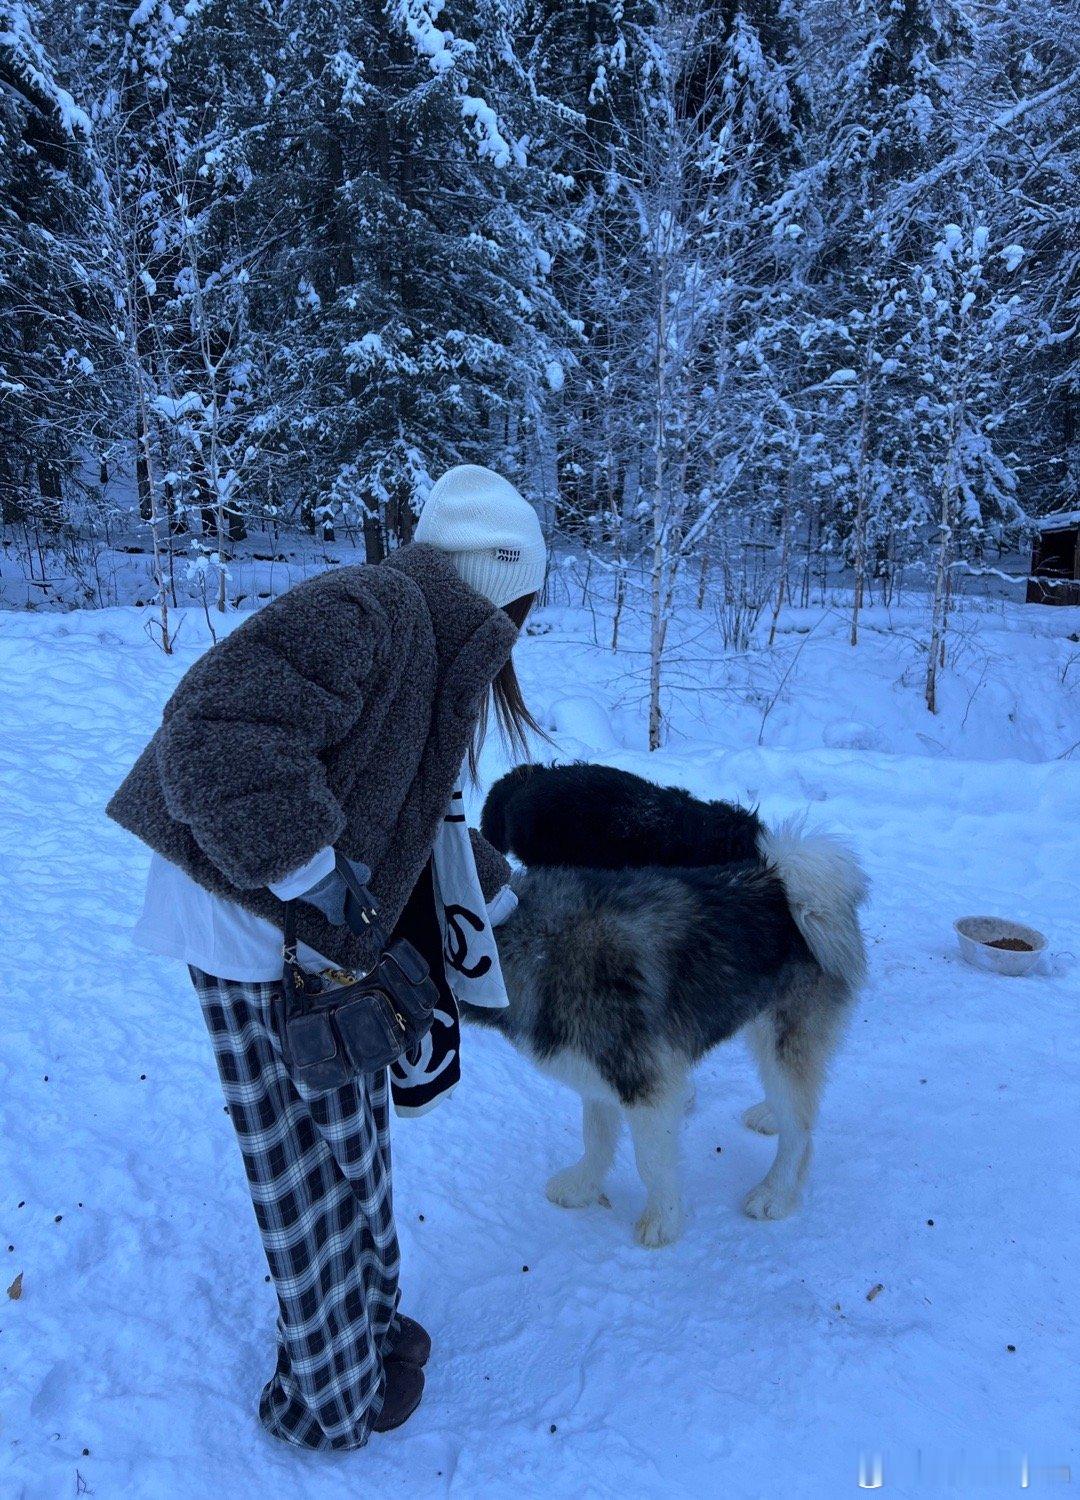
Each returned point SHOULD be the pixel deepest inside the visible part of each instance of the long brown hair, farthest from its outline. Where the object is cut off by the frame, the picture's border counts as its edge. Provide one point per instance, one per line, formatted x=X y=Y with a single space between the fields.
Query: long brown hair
x=511 y=711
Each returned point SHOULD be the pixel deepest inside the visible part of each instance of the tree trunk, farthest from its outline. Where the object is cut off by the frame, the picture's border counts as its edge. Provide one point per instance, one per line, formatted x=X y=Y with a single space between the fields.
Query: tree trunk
x=861 y=507
x=657 y=590
x=939 y=613
x=781 y=585
x=154 y=516
x=656 y=639
x=142 y=474
x=937 y=616
x=620 y=600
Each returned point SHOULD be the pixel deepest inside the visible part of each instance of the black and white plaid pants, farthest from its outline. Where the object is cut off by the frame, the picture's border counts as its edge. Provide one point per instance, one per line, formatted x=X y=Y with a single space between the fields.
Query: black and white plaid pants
x=318 y=1167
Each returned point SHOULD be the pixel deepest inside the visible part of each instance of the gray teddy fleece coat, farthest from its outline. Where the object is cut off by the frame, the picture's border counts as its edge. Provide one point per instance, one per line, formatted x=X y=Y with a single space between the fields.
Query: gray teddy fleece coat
x=339 y=714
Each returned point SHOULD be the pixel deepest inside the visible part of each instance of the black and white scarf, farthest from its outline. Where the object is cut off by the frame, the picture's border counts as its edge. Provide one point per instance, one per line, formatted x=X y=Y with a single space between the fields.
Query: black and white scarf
x=470 y=962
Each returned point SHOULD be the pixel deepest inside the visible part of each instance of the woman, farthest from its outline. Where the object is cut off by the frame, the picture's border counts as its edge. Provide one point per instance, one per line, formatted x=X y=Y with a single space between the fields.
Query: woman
x=338 y=719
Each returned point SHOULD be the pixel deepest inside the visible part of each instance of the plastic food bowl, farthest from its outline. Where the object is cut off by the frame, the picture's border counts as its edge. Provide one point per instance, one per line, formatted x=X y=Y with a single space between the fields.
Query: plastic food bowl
x=976 y=934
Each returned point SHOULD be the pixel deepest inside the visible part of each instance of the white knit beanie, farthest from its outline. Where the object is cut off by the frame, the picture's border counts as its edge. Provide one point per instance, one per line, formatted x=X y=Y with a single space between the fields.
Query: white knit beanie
x=490 y=531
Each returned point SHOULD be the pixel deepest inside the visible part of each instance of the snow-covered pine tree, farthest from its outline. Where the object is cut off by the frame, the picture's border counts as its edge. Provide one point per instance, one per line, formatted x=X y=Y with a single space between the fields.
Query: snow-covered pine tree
x=1025 y=159
x=332 y=251
x=970 y=328
x=130 y=57
x=894 y=108
x=592 y=69
x=771 y=226
x=52 y=292
x=415 y=324
x=184 y=131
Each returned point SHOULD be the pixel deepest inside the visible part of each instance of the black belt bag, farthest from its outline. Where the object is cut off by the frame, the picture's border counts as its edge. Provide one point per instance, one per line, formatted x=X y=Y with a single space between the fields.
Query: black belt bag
x=334 y=1031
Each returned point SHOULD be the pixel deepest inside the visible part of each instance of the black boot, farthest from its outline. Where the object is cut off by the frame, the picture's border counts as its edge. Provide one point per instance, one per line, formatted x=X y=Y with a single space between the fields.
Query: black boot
x=413 y=1343
x=404 y=1388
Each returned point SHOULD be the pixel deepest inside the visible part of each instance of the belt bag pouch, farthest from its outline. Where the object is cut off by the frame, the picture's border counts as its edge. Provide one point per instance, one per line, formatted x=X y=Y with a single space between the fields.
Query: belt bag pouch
x=392 y=1012
x=316 y=1053
x=370 y=1032
x=404 y=974
x=333 y=1034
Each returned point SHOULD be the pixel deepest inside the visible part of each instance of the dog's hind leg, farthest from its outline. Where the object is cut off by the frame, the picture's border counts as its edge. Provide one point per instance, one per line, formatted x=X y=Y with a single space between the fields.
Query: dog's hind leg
x=792 y=1046
x=581 y=1184
x=655 y=1130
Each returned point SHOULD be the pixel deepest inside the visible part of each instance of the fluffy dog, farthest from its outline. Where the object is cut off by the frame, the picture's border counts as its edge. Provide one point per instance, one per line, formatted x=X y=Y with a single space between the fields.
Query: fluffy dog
x=602 y=818
x=620 y=981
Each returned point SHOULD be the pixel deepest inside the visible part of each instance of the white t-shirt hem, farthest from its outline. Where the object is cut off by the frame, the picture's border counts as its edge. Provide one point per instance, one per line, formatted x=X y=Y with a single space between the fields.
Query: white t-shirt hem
x=183 y=921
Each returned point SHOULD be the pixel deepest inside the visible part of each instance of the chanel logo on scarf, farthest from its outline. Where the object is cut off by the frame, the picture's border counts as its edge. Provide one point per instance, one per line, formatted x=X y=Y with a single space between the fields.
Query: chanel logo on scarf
x=457 y=942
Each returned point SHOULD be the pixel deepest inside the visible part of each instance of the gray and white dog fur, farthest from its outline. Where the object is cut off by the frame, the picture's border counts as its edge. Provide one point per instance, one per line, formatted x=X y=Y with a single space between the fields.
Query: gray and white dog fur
x=621 y=981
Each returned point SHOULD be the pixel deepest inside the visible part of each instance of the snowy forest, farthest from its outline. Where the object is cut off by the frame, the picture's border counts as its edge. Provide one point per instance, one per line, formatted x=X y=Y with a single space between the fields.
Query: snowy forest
x=689 y=273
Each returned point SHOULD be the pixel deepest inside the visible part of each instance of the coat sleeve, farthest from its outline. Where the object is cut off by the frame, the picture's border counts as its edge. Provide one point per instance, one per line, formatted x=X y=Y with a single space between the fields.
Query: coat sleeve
x=240 y=751
x=491 y=867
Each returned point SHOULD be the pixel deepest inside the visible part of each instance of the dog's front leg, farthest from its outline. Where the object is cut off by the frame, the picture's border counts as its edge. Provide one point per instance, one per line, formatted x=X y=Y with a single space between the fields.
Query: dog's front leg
x=581 y=1184
x=655 y=1129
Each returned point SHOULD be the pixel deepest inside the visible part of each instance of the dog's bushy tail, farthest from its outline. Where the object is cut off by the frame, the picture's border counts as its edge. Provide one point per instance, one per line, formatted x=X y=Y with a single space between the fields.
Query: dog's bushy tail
x=825 y=886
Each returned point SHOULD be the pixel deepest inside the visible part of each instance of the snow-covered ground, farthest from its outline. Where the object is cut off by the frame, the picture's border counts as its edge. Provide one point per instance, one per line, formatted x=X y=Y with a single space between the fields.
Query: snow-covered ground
x=746 y=1360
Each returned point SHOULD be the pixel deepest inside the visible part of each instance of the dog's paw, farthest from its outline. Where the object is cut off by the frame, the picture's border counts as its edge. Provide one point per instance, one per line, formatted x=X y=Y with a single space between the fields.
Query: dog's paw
x=570 y=1188
x=658 y=1227
x=760 y=1117
x=769 y=1202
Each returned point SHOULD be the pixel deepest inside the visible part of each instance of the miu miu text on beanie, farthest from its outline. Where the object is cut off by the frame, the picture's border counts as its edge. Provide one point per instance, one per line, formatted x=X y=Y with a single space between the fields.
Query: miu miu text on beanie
x=490 y=531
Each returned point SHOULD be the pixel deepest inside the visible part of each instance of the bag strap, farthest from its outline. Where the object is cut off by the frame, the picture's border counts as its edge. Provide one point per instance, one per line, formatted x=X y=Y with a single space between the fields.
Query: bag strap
x=366 y=911
x=367 y=908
